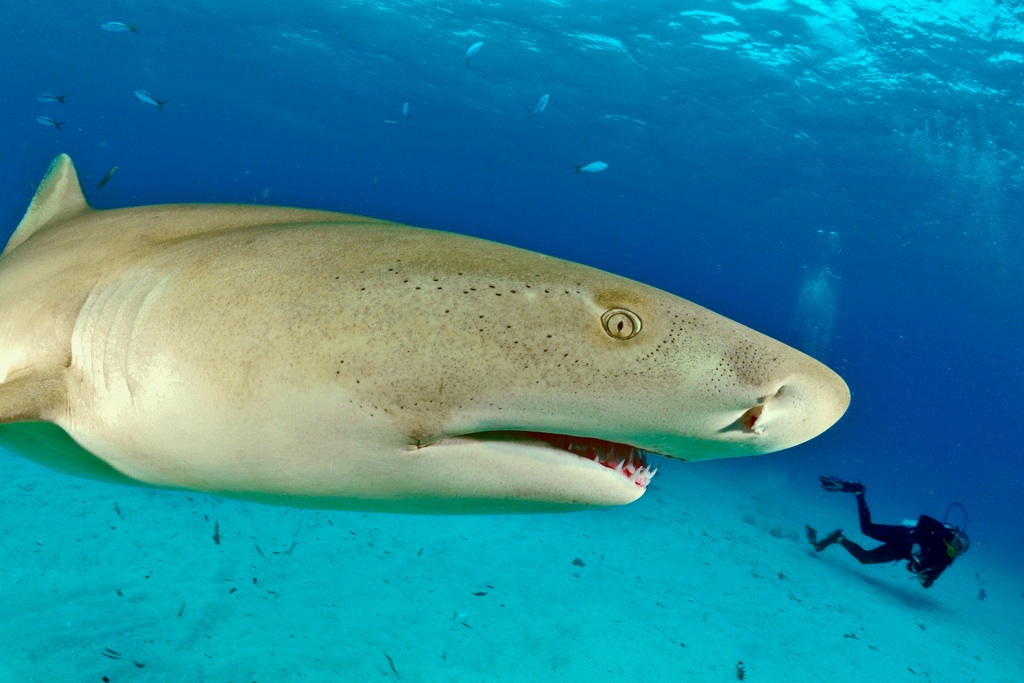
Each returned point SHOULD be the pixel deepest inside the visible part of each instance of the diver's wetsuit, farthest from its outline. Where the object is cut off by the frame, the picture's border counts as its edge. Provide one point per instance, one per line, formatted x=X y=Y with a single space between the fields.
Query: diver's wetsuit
x=929 y=536
x=897 y=538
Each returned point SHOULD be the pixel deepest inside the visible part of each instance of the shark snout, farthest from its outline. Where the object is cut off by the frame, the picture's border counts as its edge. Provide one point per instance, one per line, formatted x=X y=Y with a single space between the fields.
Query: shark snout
x=796 y=409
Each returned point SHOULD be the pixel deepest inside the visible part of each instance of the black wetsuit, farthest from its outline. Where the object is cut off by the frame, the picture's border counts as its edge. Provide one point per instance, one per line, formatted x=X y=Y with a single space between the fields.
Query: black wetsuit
x=930 y=535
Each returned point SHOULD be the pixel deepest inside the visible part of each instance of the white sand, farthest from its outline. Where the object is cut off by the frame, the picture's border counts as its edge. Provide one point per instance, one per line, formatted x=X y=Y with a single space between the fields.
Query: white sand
x=709 y=569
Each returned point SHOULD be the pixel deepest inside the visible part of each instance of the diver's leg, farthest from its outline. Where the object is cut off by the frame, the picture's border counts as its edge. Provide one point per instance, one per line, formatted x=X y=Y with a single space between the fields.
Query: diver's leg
x=883 y=553
x=863 y=513
x=834 y=537
x=886 y=533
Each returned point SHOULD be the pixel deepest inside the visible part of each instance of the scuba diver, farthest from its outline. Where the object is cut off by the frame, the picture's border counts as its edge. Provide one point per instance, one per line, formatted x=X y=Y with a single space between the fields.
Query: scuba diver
x=929 y=546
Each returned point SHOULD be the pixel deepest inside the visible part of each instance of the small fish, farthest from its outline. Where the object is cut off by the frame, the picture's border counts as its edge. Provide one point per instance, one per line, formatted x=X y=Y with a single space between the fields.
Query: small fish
x=541 y=105
x=47 y=121
x=473 y=49
x=592 y=167
x=405 y=114
x=150 y=98
x=119 y=26
x=106 y=178
x=47 y=97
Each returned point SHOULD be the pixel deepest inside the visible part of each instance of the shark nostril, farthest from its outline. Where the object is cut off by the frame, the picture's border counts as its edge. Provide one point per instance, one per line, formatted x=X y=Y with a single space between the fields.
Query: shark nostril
x=749 y=422
x=775 y=394
x=750 y=418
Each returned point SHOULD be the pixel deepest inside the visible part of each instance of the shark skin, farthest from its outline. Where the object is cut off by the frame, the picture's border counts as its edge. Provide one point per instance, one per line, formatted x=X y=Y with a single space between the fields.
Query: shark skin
x=319 y=359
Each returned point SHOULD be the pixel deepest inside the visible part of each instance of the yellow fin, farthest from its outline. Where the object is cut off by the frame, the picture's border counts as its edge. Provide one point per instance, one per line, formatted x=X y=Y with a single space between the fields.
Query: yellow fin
x=59 y=197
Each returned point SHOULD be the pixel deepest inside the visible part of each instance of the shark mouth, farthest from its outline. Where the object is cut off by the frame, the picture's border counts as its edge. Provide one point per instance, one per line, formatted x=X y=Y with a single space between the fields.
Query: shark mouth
x=624 y=460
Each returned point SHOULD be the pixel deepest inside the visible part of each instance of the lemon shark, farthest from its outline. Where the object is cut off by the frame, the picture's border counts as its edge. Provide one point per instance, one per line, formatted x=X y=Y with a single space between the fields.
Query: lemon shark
x=319 y=359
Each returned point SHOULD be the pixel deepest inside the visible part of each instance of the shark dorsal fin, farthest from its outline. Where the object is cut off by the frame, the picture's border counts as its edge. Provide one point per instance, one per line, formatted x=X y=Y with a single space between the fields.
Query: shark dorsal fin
x=59 y=197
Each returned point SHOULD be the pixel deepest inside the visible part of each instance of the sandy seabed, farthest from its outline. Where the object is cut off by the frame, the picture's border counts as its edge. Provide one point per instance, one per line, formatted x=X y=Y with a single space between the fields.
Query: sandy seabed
x=707 y=578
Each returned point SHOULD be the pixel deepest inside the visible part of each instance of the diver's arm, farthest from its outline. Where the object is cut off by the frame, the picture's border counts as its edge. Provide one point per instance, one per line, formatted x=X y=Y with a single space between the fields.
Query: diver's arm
x=927 y=564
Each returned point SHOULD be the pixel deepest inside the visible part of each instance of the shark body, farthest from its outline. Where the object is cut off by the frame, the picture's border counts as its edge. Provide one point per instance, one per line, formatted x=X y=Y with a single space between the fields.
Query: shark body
x=320 y=359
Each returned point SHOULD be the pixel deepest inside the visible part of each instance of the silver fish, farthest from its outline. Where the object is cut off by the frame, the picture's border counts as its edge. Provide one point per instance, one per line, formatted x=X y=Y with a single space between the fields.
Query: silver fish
x=405 y=110
x=592 y=167
x=117 y=26
x=47 y=121
x=106 y=178
x=150 y=98
x=48 y=97
x=541 y=105
x=473 y=49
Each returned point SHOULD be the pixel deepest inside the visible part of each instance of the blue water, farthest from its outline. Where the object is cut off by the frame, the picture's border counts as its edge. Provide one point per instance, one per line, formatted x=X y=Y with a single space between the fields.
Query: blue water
x=739 y=138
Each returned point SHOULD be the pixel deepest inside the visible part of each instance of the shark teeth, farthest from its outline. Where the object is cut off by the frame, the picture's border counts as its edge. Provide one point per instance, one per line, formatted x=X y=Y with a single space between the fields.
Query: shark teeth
x=625 y=461
x=636 y=468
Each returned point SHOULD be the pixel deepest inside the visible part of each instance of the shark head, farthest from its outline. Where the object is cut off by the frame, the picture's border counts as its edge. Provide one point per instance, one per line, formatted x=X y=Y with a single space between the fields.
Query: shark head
x=563 y=384
x=318 y=359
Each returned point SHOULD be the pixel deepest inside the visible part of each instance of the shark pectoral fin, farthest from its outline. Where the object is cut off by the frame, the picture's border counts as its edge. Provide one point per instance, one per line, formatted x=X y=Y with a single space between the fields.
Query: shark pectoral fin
x=29 y=398
x=29 y=395
x=47 y=444
x=59 y=197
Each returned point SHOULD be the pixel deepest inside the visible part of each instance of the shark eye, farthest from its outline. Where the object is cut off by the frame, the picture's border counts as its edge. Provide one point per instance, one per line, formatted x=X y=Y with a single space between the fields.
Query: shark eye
x=621 y=324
